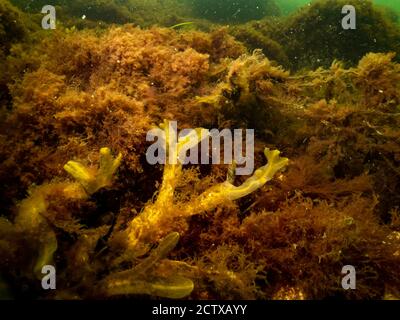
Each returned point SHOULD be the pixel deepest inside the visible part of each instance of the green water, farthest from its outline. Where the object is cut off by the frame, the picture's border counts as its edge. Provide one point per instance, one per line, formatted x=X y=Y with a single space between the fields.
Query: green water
x=393 y=4
x=289 y=6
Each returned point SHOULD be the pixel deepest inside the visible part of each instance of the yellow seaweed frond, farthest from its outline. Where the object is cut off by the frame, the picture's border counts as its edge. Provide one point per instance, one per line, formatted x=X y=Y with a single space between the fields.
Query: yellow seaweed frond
x=30 y=220
x=175 y=149
x=174 y=287
x=92 y=181
x=226 y=191
x=146 y=279
x=260 y=176
x=31 y=217
x=152 y=218
x=175 y=152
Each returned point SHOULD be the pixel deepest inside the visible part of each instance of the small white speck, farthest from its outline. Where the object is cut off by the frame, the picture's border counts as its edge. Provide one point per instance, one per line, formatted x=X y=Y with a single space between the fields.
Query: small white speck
x=83 y=17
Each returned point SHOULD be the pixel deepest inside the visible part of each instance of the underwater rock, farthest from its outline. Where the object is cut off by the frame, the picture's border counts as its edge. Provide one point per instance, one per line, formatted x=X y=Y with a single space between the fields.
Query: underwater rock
x=256 y=35
x=314 y=36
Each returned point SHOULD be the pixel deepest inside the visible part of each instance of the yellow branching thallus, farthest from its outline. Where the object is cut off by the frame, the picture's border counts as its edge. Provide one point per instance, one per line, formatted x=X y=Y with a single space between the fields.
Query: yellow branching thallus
x=141 y=232
x=153 y=215
x=31 y=219
x=90 y=180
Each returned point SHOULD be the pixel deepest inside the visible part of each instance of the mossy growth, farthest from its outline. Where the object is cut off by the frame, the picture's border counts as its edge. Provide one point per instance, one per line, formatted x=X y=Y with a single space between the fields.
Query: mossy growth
x=12 y=25
x=314 y=36
x=248 y=81
x=259 y=35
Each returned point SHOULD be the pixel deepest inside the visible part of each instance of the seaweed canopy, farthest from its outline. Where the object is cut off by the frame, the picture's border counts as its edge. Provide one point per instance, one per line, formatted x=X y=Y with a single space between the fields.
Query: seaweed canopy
x=378 y=78
x=372 y=84
x=247 y=90
x=308 y=241
x=124 y=78
x=304 y=241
